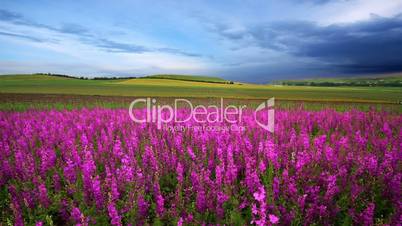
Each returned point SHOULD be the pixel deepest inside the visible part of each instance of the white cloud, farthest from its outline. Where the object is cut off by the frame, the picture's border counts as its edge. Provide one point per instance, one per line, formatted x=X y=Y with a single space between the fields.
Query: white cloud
x=357 y=10
x=86 y=54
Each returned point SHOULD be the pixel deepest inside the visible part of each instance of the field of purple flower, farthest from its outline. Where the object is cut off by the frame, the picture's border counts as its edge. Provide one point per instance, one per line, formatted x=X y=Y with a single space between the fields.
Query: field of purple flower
x=98 y=167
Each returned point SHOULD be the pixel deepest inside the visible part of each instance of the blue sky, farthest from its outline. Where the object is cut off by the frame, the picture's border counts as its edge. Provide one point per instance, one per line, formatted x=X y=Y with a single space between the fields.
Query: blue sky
x=248 y=40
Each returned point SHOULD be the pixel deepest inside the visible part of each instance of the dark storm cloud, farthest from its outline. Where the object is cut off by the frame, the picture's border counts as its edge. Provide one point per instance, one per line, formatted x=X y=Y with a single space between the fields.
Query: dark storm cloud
x=371 y=46
x=84 y=34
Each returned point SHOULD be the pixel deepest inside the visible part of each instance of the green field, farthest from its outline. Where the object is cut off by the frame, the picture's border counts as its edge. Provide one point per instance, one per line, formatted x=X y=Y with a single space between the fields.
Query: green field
x=160 y=87
x=387 y=80
x=191 y=78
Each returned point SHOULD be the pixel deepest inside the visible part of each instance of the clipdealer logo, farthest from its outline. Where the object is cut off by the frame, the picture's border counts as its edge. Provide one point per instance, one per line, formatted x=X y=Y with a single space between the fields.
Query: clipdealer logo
x=269 y=104
x=163 y=114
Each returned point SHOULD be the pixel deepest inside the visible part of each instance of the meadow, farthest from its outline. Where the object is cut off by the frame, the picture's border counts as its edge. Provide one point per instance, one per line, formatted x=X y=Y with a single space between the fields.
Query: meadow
x=71 y=155
x=88 y=167
x=158 y=87
x=385 y=80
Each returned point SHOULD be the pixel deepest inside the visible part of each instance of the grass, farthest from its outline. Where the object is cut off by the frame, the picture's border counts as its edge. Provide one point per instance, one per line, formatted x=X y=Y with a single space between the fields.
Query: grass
x=162 y=87
x=23 y=102
x=23 y=106
x=192 y=78
x=389 y=80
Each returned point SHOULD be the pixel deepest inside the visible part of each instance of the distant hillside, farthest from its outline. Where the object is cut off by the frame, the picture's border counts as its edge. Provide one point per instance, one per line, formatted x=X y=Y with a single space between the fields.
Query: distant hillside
x=171 y=88
x=384 y=81
x=190 y=78
x=85 y=77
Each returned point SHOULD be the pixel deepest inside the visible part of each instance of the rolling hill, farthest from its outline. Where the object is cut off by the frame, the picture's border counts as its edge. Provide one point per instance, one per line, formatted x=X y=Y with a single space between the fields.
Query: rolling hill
x=165 y=87
x=191 y=78
x=394 y=80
